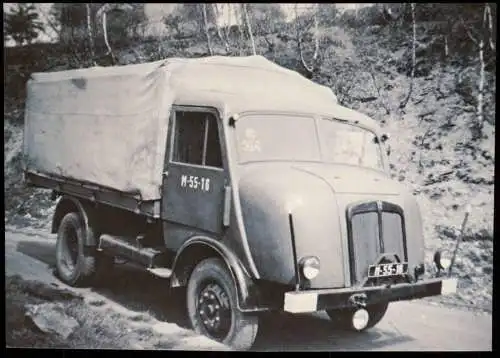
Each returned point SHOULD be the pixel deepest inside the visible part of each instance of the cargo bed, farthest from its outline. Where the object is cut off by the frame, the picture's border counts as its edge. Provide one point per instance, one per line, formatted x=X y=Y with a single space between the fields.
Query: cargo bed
x=95 y=193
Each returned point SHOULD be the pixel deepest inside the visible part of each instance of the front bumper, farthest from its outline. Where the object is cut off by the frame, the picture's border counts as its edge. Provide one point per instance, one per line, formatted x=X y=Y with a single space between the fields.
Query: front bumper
x=318 y=300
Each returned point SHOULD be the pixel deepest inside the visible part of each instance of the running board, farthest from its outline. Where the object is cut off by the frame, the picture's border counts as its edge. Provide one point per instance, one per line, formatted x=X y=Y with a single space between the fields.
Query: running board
x=162 y=272
x=129 y=248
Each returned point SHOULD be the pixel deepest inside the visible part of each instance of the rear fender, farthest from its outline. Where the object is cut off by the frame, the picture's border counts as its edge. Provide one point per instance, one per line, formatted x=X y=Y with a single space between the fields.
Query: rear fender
x=198 y=248
x=69 y=204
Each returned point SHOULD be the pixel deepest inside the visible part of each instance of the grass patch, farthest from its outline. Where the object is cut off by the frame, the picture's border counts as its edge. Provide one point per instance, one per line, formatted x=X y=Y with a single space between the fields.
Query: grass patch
x=19 y=331
x=97 y=330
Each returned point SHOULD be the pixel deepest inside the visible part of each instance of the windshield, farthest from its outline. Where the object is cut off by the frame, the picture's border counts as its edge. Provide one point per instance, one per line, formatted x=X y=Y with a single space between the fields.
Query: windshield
x=296 y=138
x=348 y=144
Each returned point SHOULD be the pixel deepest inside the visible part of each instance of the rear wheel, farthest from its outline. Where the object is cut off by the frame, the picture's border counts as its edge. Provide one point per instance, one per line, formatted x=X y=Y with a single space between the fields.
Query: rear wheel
x=74 y=265
x=212 y=306
x=342 y=318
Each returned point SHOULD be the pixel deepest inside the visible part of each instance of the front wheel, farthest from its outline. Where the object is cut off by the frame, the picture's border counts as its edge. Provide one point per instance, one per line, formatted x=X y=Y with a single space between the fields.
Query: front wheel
x=342 y=318
x=212 y=306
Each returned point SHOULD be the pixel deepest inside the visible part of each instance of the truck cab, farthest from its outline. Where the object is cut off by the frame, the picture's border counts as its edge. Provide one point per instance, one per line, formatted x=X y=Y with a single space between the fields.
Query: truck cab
x=267 y=204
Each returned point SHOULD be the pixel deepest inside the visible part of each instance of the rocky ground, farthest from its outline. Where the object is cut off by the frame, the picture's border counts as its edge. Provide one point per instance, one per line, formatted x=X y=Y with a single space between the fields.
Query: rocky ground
x=44 y=315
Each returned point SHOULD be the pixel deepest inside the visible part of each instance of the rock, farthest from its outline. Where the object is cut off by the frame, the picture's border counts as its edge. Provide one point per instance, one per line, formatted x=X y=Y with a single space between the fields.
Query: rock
x=187 y=339
x=164 y=328
x=488 y=270
x=435 y=196
x=51 y=318
x=197 y=342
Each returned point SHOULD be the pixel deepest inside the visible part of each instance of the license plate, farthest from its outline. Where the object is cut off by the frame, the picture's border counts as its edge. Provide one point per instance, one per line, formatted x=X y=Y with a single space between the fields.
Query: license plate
x=385 y=270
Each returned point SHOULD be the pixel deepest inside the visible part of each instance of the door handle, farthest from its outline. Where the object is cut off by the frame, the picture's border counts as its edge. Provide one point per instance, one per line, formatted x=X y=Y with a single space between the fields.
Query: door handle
x=227 y=206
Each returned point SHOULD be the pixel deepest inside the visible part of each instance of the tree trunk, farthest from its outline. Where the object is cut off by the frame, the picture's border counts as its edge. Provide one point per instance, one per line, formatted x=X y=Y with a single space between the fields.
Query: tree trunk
x=487 y=18
x=413 y=58
x=207 y=33
x=90 y=35
x=446 y=51
x=480 y=95
x=102 y=13
x=239 y=16
x=105 y=31
x=249 y=27
x=222 y=35
x=480 y=43
x=310 y=69
x=316 y=34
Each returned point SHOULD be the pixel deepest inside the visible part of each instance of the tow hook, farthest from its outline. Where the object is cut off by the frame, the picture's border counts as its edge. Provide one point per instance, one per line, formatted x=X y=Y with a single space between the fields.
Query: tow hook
x=358 y=300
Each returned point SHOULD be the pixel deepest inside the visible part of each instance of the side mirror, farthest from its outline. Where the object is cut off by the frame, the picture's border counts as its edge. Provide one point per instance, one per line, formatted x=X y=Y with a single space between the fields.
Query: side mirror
x=233 y=119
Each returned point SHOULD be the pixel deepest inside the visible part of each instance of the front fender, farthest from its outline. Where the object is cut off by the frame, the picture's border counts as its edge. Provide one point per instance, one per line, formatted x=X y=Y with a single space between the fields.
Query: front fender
x=200 y=247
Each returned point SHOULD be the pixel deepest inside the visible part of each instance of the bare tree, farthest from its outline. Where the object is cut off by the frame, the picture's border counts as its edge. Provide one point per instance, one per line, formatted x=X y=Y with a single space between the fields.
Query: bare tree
x=101 y=13
x=487 y=19
x=446 y=48
x=221 y=34
x=413 y=57
x=313 y=67
x=235 y=10
x=248 y=26
x=479 y=39
x=90 y=34
x=207 y=33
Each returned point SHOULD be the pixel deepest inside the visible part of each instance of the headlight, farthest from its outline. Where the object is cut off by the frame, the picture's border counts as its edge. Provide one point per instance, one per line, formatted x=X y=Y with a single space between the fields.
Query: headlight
x=442 y=260
x=360 y=319
x=310 y=267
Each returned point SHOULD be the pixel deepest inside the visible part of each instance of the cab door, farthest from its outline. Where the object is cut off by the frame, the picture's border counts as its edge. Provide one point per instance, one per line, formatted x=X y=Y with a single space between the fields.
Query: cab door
x=194 y=179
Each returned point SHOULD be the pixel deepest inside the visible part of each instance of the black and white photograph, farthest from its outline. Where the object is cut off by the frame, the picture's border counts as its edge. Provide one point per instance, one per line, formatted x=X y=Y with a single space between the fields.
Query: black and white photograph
x=249 y=176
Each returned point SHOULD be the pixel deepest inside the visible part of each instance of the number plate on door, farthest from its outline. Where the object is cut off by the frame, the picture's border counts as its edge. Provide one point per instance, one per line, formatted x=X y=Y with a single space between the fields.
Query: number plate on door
x=384 y=270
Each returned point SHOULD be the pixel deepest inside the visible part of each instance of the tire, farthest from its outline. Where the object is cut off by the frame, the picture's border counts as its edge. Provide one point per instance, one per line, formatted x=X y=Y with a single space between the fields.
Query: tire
x=74 y=266
x=343 y=317
x=211 y=289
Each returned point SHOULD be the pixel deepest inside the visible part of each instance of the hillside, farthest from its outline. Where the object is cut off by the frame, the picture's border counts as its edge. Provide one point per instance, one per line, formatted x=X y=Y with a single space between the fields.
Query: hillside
x=432 y=148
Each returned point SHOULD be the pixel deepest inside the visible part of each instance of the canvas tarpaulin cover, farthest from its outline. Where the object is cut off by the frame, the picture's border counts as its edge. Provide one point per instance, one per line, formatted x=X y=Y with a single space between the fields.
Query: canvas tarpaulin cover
x=108 y=125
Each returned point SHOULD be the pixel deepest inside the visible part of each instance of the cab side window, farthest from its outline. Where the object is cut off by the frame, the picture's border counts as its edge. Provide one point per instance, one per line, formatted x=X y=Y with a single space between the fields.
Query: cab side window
x=196 y=139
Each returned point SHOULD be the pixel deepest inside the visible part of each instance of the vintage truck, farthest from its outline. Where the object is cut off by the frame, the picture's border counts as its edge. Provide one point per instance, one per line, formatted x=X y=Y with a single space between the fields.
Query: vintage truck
x=235 y=178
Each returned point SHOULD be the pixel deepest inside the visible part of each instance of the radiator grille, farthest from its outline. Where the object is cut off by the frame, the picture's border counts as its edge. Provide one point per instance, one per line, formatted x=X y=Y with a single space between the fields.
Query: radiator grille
x=374 y=228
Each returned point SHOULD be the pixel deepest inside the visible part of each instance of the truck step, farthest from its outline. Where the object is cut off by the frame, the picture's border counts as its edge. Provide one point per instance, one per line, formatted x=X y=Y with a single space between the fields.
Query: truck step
x=162 y=272
x=128 y=247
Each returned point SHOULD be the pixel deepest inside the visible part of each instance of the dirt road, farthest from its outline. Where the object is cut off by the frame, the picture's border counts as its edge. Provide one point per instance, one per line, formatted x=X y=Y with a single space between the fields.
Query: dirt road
x=408 y=326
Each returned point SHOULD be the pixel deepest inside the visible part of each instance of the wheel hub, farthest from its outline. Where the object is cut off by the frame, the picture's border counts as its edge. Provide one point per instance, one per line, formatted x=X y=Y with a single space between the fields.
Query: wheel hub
x=214 y=310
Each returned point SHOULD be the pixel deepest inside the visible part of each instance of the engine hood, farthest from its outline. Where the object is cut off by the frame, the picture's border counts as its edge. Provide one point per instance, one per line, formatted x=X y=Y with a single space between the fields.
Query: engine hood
x=316 y=196
x=346 y=179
